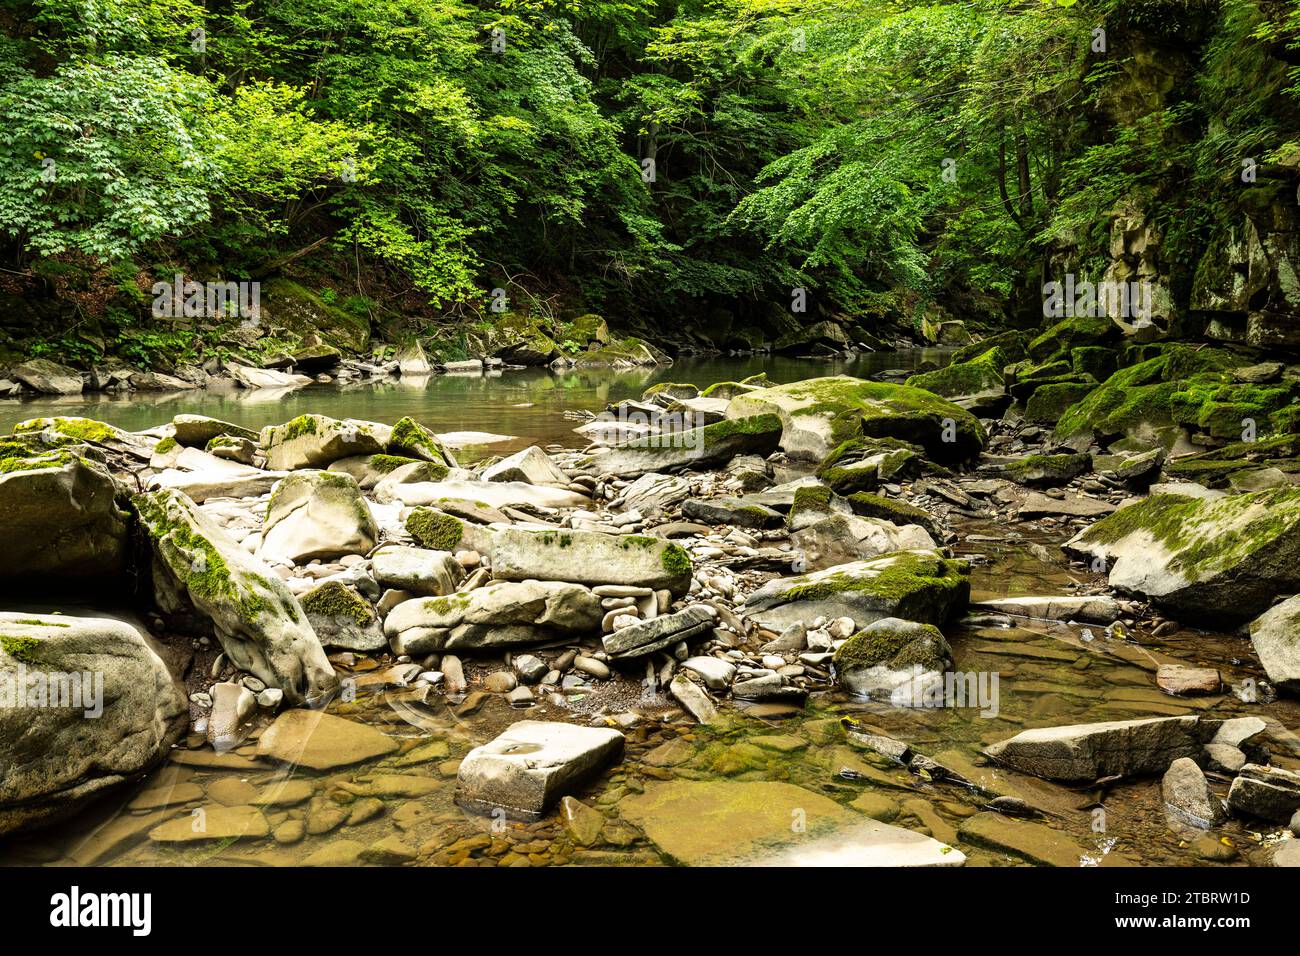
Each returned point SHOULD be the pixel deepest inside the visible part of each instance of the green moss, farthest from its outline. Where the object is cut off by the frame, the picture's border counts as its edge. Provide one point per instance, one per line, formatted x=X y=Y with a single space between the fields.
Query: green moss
x=34 y=622
x=71 y=429
x=435 y=530
x=334 y=599
x=980 y=374
x=1072 y=333
x=223 y=441
x=1047 y=470
x=22 y=649
x=1050 y=401
x=898 y=512
x=897 y=649
x=909 y=585
x=54 y=459
x=412 y=439
x=676 y=561
x=166 y=445
x=811 y=497
x=298 y=427
x=389 y=463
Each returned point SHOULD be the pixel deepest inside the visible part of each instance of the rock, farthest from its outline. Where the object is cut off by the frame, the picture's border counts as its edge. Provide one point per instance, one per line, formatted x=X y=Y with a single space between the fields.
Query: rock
x=974 y=384
x=61 y=516
x=1091 y=751
x=1041 y=506
x=49 y=378
x=693 y=699
x=531 y=765
x=687 y=448
x=250 y=377
x=590 y=557
x=732 y=511
x=1187 y=794
x=1047 y=471
x=913 y=585
x=317 y=514
x=733 y=823
x=489 y=494
x=261 y=626
x=412 y=362
x=195 y=431
x=1286 y=853
x=213 y=822
x=1096 y=608
x=655 y=492
x=1275 y=635
x=817 y=414
x=646 y=637
x=390 y=851
x=1177 y=679
x=529 y=668
x=232 y=704
x=342 y=618
x=502 y=614
x=890 y=653
x=200 y=476
x=716 y=673
x=123 y=711
x=531 y=466
x=336 y=853
x=1220 y=561
x=314 y=441
x=321 y=741
x=417 y=570
x=1035 y=842
x=1269 y=793
x=842 y=539
x=581 y=821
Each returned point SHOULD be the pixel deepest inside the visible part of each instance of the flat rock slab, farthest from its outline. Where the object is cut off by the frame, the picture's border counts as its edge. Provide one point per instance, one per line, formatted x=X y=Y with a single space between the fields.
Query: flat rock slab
x=659 y=632
x=1179 y=680
x=1035 y=842
x=321 y=741
x=590 y=557
x=531 y=765
x=1269 y=793
x=1091 y=751
x=213 y=822
x=1098 y=608
x=1043 y=506
x=867 y=844
x=732 y=511
x=496 y=494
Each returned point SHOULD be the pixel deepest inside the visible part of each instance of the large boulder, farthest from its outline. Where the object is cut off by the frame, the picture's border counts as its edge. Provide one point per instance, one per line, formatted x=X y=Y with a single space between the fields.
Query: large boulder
x=1091 y=751
x=343 y=618
x=1220 y=560
x=818 y=414
x=1276 y=636
x=200 y=475
x=914 y=585
x=60 y=514
x=48 y=377
x=890 y=653
x=1269 y=793
x=418 y=570
x=976 y=383
x=317 y=514
x=590 y=557
x=504 y=614
x=532 y=465
x=672 y=450
x=841 y=539
x=315 y=441
x=198 y=567
x=86 y=704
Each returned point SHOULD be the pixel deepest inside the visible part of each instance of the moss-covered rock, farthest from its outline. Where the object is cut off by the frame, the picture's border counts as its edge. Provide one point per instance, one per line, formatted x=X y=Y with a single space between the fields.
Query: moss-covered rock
x=435 y=530
x=688 y=448
x=342 y=618
x=521 y=339
x=977 y=383
x=899 y=512
x=1050 y=401
x=890 y=653
x=670 y=390
x=1069 y=334
x=410 y=439
x=1218 y=560
x=196 y=431
x=315 y=441
x=1012 y=343
x=317 y=515
x=292 y=308
x=818 y=414
x=1100 y=362
x=863 y=464
x=1047 y=471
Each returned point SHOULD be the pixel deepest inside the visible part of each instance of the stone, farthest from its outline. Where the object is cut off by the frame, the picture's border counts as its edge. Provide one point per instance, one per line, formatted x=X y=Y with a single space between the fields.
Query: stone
x=342 y=618
x=317 y=515
x=531 y=466
x=716 y=672
x=336 y=853
x=655 y=492
x=500 y=614
x=1035 y=842
x=1187 y=794
x=890 y=653
x=1047 y=471
x=817 y=414
x=646 y=637
x=913 y=585
x=314 y=441
x=1088 y=752
x=200 y=476
x=390 y=851
x=1220 y=561
x=123 y=712
x=582 y=823
x=417 y=570
x=320 y=741
x=248 y=377
x=61 y=516
x=1275 y=635
x=1178 y=680
x=262 y=628
x=693 y=698
x=1269 y=793
x=531 y=765
x=1038 y=505
x=1095 y=608
x=869 y=844
x=686 y=448
x=529 y=668
x=195 y=431
x=483 y=494
x=232 y=704
x=213 y=822
x=49 y=378
x=590 y=557
x=843 y=539
x=732 y=511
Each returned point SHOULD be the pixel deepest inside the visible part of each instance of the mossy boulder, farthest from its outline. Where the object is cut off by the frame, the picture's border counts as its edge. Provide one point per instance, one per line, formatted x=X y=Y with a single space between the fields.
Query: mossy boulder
x=977 y=383
x=1069 y=334
x=370 y=470
x=62 y=515
x=107 y=711
x=1219 y=559
x=315 y=441
x=435 y=530
x=688 y=448
x=899 y=512
x=342 y=618
x=890 y=653
x=1047 y=471
x=66 y=432
x=1050 y=401
x=812 y=503
x=1012 y=344
x=196 y=431
x=915 y=585
x=818 y=414
x=1097 y=361
x=667 y=391
x=521 y=339
x=590 y=558
x=1215 y=405
x=863 y=464
x=410 y=439
x=198 y=568
x=317 y=515
x=295 y=309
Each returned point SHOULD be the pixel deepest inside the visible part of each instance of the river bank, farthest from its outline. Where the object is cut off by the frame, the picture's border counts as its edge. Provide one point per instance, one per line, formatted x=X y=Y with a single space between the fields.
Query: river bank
x=705 y=607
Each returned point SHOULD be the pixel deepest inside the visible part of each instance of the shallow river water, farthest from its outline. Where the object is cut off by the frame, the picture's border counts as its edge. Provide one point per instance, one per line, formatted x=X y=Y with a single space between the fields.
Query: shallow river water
x=1048 y=675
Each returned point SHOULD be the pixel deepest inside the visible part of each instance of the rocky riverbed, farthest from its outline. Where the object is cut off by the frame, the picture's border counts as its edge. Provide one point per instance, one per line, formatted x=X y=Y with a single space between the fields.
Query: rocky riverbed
x=833 y=621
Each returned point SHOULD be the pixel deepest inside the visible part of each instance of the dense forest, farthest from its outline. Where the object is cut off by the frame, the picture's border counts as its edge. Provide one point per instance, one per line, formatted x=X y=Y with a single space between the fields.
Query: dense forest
x=804 y=174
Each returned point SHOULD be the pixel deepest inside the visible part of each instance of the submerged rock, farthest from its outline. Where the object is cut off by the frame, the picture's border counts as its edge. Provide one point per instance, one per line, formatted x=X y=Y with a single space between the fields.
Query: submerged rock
x=913 y=585
x=890 y=653
x=86 y=705
x=320 y=741
x=1221 y=560
x=531 y=765
x=1187 y=794
x=1091 y=751
x=197 y=566
x=1096 y=608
